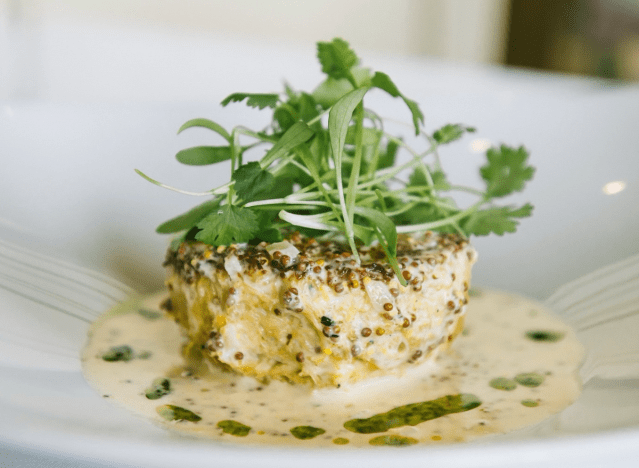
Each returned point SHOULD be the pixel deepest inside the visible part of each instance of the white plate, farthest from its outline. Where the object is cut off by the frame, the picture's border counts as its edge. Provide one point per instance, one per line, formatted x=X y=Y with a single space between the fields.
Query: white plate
x=68 y=190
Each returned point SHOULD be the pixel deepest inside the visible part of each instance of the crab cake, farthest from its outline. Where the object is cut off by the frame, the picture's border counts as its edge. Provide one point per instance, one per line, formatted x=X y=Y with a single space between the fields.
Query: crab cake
x=304 y=311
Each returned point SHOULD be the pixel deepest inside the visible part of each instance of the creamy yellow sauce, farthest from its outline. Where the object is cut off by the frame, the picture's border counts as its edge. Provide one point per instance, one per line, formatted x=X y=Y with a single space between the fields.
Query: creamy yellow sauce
x=514 y=358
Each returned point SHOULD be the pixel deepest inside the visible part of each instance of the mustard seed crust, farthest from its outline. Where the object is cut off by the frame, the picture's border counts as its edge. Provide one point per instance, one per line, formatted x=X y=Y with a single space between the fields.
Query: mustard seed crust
x=305 y=311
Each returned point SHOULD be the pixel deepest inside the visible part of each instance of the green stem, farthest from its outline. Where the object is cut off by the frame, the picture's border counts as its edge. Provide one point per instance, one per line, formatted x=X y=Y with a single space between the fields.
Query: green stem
x=287 y=201
x=357 y=161
x=317 y=118
x=442 y=222
x=391 y=172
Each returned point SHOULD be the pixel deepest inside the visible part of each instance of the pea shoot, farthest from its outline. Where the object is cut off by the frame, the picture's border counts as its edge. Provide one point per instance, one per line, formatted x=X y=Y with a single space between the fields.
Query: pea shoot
x=328 y=170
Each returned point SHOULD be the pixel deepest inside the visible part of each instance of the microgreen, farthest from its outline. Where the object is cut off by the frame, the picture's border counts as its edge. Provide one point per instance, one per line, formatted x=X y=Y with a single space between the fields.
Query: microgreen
x=253 y=100
x=328 y=168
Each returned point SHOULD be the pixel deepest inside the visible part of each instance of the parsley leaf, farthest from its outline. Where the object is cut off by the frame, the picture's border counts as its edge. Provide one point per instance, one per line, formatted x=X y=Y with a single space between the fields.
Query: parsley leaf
x=336 y=58
x=268 y=232
x=231 y=224
x=418 y=179
x=388 y=155
x=419 y=213
x=439 y=181
x=382 y=81
x=253 y=100
x=498 y=220
x=252 y=182
x=302 y=107
x=451 y=132
x=330 y=91
x=506 y=171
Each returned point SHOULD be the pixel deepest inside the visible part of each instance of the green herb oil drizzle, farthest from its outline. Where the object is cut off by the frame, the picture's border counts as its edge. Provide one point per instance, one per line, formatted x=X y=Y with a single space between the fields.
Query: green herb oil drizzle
x=414 y=413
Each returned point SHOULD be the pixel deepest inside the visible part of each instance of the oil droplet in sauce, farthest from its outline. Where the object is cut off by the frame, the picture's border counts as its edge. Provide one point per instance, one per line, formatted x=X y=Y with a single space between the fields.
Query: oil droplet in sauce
x=133 y=355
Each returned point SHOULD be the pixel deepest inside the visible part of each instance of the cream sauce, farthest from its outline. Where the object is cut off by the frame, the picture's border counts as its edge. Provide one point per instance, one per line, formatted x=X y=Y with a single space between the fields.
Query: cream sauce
x=503 y=358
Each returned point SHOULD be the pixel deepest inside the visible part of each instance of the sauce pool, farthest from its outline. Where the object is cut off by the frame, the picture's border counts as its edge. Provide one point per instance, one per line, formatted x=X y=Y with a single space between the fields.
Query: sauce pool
x=514 y=365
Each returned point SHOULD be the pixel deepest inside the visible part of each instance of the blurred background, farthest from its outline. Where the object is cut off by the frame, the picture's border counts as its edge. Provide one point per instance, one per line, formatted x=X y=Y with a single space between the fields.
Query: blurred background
x=88 y=50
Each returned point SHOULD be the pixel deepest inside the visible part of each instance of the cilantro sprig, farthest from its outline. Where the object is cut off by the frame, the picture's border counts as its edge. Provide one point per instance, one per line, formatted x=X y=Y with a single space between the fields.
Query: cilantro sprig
x=328 y=168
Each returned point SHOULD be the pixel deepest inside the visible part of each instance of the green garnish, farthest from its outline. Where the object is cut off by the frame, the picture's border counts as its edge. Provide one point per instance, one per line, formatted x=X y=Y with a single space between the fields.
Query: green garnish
x=149 y=314
x=544 y=335
x=393 y=440
x=330 y=170
x=340 y=441
x=159 y=387
x=306 y=432
x=414 y=413
x=530 y=403
x=177 y=413
x=503 y=383
x=118 y=353
x=530 y=379
x=234 y=428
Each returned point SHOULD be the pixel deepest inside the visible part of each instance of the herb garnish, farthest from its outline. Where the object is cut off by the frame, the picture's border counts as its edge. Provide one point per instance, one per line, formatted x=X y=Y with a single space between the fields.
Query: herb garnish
x=330 y=170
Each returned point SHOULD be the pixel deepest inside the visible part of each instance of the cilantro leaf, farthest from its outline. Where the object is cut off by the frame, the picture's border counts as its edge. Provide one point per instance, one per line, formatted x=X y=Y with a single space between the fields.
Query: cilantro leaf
x=330 y=91
x=336 y=58
x=307 y=107
x=268 y=232
x=382 y=81
x=230 y=224
x=418 y=179
x=498 y=220
x=387 y=157
x=439 y=181
x=451 y=132
x=506 y=171
x=419 y=213
x=284 y=118
x=302 y=107
x=188 y=219
x=252 y=182
x=253 y=100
